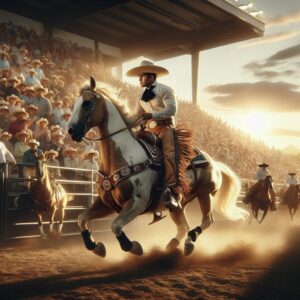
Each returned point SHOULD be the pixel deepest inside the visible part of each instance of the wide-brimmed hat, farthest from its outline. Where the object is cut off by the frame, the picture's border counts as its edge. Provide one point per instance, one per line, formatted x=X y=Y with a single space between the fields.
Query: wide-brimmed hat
x=3 y=102
x=67 y=113
x=5 y=133
x=32 y=106
x=147 y=66
x=55 y=127
x=92 y=152
x=52 y=151
x=29 y=89
x=263 y=165
x=12 y=96
x=36 y=61
x=41 y=88
x=33 y=141
x=23 y=49
x=4 y=107
x=23 y=132
x=21 y=111
x=91 y=131
x=69 y=150
x=31 y=71
x=57 y=133
x=42 y=120
x=292 y=173
x=14 y=78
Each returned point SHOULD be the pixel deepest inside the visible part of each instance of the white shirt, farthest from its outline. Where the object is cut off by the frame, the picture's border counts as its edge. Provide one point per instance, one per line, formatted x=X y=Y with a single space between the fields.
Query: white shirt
x=292 y=180
x=261 y=174
x=5 y=155
x=163 y=105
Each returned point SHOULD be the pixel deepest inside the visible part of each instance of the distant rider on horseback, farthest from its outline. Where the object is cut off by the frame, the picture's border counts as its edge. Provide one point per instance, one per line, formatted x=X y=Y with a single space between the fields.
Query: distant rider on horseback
x=292 y=179
x=261 y=175
x=159 y=106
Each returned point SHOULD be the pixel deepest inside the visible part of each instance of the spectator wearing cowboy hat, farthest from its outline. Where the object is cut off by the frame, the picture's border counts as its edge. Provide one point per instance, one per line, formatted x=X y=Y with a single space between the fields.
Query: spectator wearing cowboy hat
x=21 y=146
x=70 y=161
x=29 y=95
x=5 y=136
x=65 y=120
x=52 y=161
x=90 y=163
x=20 y=123
x=158 y=106
x=57 y=143
x=92 y=145
x=4 y=63
x=22 y=56
x=6 y=73
x=30 y=157
x=32 y=112
x=42 y=103
x=42 y=133
x=57 y=112
x=36 y=66
x=32 y=80
x=11 y=87
x=4 y=117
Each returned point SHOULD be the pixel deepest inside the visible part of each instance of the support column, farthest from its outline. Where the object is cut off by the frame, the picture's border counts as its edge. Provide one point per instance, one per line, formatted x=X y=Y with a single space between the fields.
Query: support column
x=195 y=69
x=3 y=204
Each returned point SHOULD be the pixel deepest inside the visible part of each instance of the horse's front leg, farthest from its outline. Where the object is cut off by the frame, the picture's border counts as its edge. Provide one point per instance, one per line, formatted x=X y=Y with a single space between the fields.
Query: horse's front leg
x=51 y=221
x=97 y=210
x=40 y=225
x=134 y=207
x=61 y=219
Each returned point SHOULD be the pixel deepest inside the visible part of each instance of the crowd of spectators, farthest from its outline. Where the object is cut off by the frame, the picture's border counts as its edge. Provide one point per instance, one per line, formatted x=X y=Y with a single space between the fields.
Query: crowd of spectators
x=40 y=78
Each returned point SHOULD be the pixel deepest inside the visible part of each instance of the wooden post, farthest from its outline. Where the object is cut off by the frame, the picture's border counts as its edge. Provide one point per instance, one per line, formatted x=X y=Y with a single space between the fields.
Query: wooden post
x=195 y=68
x=3 y=204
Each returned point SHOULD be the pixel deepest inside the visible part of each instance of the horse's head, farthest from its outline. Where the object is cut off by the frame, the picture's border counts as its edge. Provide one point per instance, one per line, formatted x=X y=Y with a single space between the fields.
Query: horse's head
x=88 y=112
x=41 y=167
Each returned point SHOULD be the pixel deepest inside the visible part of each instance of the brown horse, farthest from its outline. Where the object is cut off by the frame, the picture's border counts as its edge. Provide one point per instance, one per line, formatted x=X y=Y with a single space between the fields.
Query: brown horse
x=48 y=196
x=262 y=200
x=291 y=199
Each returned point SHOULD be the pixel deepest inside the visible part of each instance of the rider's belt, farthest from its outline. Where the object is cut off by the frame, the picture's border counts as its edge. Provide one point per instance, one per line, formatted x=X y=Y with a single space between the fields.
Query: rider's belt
x=154 y=123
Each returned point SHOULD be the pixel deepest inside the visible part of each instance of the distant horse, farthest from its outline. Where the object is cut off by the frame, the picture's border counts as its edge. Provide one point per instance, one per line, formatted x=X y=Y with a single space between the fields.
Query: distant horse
x=215 y=186
x=291 y=199
x=48 y=196
x=261 y=200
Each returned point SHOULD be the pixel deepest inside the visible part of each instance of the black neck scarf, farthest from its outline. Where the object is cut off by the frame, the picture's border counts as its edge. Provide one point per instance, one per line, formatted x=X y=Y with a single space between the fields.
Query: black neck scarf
x=148 y=94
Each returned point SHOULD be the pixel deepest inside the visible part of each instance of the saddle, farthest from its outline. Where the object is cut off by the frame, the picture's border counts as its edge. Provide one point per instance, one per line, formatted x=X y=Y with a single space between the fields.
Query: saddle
x=153 y=147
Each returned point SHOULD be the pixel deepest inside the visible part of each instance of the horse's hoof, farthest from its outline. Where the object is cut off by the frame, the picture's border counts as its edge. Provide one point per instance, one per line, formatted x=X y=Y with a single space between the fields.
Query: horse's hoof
x=188 y=247
x=136 y=248
x=100 y=250
x=173 y=244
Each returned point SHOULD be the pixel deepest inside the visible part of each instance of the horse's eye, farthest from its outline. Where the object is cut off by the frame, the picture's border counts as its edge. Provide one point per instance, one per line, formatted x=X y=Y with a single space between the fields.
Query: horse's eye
x=86 y=103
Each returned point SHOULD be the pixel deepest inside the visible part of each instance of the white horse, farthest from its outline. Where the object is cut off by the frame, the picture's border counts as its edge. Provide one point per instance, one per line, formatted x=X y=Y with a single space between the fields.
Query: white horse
x=215 y=186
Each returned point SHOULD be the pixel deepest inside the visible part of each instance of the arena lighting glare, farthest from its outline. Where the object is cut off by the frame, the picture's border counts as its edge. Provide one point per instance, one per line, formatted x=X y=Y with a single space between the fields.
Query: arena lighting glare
x=256 y=13
x=246 y=6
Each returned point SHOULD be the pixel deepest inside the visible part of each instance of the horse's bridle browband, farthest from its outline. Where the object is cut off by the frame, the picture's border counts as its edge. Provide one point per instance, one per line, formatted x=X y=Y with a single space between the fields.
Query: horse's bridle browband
x=91 y=110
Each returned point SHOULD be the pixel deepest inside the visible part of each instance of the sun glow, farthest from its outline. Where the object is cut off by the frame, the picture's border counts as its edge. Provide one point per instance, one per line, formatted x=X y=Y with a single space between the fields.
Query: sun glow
x=256 y=123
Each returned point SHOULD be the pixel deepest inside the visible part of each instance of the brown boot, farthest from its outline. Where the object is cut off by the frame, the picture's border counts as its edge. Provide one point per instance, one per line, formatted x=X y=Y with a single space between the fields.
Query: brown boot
x=172 y=199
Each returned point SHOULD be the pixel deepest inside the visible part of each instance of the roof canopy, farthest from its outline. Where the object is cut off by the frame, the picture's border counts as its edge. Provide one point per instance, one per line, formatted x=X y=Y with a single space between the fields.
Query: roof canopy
x=153 y=28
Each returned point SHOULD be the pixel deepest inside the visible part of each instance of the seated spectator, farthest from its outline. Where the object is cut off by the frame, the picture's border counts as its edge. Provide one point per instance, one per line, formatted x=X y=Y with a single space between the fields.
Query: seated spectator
x=29 y=95
x=92 y=145
x=52 y=161
x=70 y=161
x=6 y=73
x=32 y=111
x=90 y=163
x=43 y=104
x=39 y=72
x=22 y=56
x=13 y=103
x=4 y=138
x=42 y=133
x=21 y=146
x=4 y=64
x=57 y=112
x=32 y=80
x=4 y=117
x=11 y=87
x=57 y=143
x=65 y=120
x=20 y=123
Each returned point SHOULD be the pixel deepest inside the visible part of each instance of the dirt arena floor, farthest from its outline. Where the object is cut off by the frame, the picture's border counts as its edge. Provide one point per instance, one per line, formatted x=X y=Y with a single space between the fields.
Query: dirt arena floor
x=232 y=261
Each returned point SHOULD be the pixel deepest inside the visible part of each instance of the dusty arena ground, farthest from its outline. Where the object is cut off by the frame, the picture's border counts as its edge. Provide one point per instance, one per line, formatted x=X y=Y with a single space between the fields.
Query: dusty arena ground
x=232 y=261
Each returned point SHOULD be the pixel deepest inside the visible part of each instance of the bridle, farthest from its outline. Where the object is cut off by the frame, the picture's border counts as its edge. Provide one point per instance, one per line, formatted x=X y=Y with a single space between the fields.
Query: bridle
x=90 y=113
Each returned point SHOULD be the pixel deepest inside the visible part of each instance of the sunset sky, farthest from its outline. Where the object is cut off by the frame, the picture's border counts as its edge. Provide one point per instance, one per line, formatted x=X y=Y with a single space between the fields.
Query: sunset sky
x=252 y=85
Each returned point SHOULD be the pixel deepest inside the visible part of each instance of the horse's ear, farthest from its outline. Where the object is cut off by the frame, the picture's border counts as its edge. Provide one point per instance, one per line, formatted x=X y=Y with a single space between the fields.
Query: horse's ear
x=92 y=83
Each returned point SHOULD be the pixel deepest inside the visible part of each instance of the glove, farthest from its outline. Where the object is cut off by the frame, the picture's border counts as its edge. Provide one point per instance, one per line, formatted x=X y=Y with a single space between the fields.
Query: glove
x=147 y=116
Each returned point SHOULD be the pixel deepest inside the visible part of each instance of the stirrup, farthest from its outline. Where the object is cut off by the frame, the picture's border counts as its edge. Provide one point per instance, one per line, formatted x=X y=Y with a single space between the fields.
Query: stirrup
x=157 y=216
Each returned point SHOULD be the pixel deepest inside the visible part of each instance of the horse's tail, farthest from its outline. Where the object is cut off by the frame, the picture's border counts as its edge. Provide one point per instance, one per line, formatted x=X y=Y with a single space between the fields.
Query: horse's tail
x=226 y=197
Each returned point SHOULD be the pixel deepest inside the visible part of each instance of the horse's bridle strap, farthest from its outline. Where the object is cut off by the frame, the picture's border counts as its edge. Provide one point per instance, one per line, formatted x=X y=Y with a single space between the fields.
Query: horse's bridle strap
x=110 y=182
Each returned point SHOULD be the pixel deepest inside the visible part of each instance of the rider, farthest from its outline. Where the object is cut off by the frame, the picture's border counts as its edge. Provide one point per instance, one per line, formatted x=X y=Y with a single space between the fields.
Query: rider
x=261 y=175
x=159 y=106
x=292 y=179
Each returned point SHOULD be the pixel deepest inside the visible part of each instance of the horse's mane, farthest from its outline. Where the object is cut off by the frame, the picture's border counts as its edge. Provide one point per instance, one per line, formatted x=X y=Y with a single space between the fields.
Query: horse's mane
x=121 y=105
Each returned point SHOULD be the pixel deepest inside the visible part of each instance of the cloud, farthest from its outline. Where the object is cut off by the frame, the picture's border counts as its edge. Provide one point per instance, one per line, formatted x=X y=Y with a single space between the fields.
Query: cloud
x=293 y=17
x=288 y=53
x=284 y=132
x=272 y=38
x=262 y=95
x=266 y=74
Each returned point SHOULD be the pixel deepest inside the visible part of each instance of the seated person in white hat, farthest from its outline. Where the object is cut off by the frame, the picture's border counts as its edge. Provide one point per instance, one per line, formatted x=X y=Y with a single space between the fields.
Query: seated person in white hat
x=52 y=161
x=4 y=117
x=90 y=163
x=159 y=106
x=44 y=105
x=292 y=179
x=21 y=146
x=31 y=80
x=261 y=175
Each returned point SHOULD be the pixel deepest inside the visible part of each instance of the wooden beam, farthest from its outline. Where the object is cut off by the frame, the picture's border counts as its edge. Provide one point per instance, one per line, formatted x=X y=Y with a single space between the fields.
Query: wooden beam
x=195 y=69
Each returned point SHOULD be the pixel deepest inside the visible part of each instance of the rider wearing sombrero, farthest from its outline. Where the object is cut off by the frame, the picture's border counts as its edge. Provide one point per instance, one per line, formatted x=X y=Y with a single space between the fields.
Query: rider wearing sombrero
x=292 y=179
x=159 y=106
x=261 y=175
